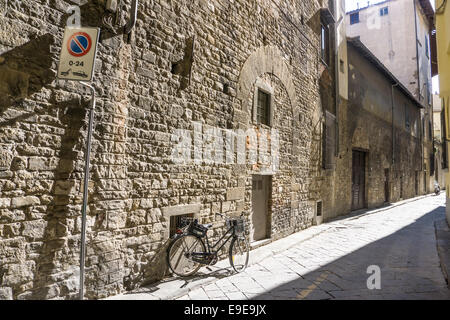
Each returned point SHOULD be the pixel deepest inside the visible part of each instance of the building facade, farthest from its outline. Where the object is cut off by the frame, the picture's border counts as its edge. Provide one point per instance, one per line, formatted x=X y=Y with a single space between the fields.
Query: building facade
x=205 y=107
x=399 y=33
x=379 y=153
x=443 y=49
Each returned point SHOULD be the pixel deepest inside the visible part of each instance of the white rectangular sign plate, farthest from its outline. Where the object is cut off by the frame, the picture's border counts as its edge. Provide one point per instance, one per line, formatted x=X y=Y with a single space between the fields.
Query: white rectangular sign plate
x=77 y=59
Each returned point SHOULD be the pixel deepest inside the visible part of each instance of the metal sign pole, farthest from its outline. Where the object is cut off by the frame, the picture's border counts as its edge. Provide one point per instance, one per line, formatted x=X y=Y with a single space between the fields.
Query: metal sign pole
x=85 y=190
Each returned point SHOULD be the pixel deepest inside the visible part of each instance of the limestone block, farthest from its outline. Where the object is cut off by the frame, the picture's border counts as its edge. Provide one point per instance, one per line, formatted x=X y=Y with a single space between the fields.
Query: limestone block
x=235 y=193
x=6 y=293
x=34 y=229
x=40 y=163
x=18 y=273
x=24 y=201
x=6 y=157
x=181 y=209
x=5 y=202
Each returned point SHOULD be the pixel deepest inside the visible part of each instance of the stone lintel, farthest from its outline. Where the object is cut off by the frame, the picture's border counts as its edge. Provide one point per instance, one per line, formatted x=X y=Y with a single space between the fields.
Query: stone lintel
x=235 y=193
x=181 y=209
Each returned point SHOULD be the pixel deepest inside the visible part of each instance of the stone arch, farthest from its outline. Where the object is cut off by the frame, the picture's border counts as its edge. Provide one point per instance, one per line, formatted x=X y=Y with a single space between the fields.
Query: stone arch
x=267 y=59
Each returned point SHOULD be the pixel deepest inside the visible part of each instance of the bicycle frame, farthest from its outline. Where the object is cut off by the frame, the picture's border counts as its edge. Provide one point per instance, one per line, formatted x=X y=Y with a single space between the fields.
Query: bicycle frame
x=209 y=247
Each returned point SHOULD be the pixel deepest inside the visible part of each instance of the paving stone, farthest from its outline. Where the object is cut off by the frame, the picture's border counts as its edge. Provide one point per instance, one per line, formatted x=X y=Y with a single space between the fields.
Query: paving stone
x=236 y=296
x=408 y=267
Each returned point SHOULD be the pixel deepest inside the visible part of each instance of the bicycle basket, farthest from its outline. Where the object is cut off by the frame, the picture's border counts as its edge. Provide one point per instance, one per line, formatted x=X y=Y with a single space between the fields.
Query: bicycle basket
x=198 y=230
x=238 y=225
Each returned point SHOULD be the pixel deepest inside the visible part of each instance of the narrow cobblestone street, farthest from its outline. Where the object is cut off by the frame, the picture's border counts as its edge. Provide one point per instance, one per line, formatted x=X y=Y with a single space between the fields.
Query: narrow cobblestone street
x=333 y=264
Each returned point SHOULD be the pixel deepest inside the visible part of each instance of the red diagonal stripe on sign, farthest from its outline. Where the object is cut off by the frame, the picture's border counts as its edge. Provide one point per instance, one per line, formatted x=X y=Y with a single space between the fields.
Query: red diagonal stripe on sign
x=79 y=44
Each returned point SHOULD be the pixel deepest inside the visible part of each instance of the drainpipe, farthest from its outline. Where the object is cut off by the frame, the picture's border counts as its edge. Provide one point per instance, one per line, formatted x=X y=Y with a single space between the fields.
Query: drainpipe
x=393 y=139
x=337 y=74
x=418 y=85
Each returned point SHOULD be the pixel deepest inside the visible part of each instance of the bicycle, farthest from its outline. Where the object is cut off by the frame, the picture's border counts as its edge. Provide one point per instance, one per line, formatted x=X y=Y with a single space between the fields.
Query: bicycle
x=187 y=251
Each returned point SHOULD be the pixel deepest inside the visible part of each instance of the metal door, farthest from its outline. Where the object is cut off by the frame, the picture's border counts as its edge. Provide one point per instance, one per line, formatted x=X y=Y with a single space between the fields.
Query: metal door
x=386 y=185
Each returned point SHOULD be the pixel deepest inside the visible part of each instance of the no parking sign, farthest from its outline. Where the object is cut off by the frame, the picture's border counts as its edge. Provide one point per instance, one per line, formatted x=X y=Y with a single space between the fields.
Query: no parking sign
x=78 y=52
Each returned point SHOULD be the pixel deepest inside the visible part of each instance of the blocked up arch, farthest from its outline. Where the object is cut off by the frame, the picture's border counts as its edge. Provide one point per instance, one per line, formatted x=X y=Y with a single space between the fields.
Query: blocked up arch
x=267 y=59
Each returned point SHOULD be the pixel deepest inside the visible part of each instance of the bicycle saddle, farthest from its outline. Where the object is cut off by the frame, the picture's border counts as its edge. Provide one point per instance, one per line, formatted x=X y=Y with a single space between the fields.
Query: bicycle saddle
x=207 y=226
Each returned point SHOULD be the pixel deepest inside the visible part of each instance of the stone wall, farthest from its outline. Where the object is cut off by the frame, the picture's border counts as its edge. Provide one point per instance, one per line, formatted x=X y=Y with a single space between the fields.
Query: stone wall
x=366 y=125
x=186 y=64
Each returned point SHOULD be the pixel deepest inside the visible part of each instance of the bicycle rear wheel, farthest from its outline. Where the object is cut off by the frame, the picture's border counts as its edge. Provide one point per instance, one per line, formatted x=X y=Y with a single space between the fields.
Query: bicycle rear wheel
x=239 y=253
x=179 y=253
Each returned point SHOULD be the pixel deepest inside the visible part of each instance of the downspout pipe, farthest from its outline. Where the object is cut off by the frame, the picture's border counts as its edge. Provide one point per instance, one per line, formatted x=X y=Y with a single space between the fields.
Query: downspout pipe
x=418 y=84
x=337 y=75
x=393 y=129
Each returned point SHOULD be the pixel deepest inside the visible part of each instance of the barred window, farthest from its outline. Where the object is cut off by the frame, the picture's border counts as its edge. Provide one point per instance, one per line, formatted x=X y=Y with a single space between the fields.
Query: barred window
x=263 y=108
x=354 y=18
x=325 y=45
x=175 y=222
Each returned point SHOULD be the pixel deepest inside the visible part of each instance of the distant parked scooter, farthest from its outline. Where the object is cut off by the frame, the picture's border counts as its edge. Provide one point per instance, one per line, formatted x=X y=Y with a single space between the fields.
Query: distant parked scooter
x=437 y=189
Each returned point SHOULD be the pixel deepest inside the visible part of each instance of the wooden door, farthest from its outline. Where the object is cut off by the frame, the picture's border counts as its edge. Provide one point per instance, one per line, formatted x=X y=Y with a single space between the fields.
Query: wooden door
x=386 y=185
x=358 y=180
x=260 y=207
x=416 y=183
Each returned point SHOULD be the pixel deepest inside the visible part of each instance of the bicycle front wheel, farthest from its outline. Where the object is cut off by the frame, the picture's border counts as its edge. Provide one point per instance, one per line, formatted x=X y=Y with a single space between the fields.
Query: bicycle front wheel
x=239 y=253
x=180 y=252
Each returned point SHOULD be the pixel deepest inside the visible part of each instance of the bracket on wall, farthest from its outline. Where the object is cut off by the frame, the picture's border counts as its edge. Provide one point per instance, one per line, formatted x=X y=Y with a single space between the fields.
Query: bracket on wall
x=133 y=16
x=111 y=17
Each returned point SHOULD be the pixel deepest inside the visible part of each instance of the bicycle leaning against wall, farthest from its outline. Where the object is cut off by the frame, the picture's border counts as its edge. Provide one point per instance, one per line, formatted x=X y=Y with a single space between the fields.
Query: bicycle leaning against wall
x=187 y=251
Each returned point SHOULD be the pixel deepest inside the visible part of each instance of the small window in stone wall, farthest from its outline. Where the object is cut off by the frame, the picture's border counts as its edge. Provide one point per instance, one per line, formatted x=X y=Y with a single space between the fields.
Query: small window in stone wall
x=354 y=18
x=325 y=44
x=176 y=222
x=263 y=108
x=319 y=208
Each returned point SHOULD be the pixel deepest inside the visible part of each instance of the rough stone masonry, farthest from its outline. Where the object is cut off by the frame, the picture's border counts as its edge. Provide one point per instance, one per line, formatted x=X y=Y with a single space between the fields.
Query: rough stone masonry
x=185 y=62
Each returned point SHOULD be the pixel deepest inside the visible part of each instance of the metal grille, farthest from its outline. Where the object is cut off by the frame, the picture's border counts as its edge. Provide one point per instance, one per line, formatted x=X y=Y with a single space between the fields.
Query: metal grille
x=319 y=208
x=178 y=222
x=262 y=108
x=238 y=224
x=354 y=18
x=239 y=227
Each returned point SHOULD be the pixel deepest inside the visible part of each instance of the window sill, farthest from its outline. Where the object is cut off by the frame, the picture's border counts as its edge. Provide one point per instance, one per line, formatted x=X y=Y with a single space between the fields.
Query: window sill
x=263 y=126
